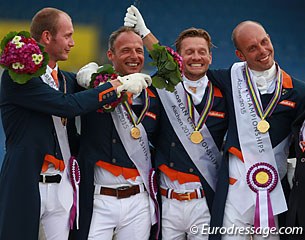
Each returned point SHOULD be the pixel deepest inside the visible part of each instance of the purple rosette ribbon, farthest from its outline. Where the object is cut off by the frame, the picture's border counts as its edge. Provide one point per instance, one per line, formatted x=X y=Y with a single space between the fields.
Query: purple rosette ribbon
x=153 y=190
x=75 y=180
x=262 y=178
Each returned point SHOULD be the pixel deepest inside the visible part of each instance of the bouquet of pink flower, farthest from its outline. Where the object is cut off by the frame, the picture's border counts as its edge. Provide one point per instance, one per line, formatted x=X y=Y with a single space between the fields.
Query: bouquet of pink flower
x=170 y=67
x=22 y=56
x=105 y=74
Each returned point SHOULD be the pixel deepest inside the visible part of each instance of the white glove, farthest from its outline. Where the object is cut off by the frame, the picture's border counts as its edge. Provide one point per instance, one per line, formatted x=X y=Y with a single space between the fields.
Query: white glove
x=133 y=18
x=134 y=83
x=84 y=74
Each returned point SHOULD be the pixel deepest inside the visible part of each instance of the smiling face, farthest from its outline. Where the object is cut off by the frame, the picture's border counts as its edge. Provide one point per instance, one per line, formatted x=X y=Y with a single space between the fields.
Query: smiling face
x=196 y=57
x=127 y=54
x=254 y=46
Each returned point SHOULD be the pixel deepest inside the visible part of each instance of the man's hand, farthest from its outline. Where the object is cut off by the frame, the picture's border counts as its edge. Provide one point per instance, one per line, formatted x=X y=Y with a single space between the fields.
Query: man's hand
x=134 y=83
x=133 y=18
x=84 y=74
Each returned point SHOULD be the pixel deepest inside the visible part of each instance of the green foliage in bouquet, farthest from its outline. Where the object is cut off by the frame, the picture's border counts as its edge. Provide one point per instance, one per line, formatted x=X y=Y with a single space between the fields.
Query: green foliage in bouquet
x=169 y=65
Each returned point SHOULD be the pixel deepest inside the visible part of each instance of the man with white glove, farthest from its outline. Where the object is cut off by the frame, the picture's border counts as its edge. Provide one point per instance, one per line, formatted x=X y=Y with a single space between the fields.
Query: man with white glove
x=186 y=189
x=133 y=83
x=114 y=153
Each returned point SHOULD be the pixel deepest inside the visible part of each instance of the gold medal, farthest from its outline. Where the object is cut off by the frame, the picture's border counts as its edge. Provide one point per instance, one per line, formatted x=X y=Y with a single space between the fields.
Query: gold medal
x=135 y=132
x=263 y=126
x=196 y=137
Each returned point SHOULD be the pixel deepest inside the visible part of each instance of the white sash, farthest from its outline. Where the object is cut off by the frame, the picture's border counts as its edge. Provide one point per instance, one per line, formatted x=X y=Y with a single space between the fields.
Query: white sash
x=205 y=155
x=137 y=149
x=65 y=191
x=255 y=146
x=47 y=78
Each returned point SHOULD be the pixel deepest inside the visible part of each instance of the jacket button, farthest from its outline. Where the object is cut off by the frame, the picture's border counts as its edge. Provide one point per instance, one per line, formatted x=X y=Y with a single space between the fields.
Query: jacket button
x=104 y=96
x=113 y=160
x=173 y=144
x=296 y=183
x=191 y=170
x=302 y=160
x=111 y=93
x=171 y=164
x=114 y=140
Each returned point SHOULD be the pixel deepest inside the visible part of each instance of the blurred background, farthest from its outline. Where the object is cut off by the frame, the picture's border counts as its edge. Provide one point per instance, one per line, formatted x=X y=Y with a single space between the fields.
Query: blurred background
x=94 y=20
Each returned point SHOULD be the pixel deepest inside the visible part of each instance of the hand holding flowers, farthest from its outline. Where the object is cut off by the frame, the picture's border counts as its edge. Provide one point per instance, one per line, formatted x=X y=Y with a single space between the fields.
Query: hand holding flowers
x=22 y=56
x=169 y=65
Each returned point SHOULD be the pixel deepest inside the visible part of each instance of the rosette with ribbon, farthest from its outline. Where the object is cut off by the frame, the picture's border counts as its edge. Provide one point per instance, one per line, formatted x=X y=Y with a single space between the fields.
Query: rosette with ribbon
x=262 y=178
x=170 y=68
x=105 y=74
x=153 y=190
x=74 y=174
x=23 y=56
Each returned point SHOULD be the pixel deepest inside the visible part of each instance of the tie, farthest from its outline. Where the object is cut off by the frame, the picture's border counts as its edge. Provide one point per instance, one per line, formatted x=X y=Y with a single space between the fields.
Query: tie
x=54 y=76
x=129 y=99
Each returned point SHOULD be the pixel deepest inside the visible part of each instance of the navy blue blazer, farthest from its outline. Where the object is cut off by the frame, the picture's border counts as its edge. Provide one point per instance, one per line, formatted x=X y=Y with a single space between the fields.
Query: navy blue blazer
x=170 y=151
x=26 y=115
x=281 y=120
x=101 y=141
x=296 y=209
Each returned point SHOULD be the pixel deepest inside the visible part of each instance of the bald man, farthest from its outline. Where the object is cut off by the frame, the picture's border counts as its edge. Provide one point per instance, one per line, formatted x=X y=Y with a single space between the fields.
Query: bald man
x=263 y=102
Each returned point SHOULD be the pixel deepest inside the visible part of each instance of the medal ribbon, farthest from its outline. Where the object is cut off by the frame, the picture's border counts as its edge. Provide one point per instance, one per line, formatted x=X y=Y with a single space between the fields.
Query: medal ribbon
x=205 y=111
x=144 y=110
x=263 y=114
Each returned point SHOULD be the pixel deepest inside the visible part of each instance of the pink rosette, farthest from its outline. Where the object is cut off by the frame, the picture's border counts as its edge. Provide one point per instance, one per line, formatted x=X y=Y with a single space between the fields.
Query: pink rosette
x=74 y=174
x=262 y=178
x=153 y=190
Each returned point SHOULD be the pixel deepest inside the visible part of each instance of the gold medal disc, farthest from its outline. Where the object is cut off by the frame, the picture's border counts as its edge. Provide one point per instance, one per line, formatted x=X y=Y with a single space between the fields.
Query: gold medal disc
x=196 y=137
x=135 y=132
x=263 y=126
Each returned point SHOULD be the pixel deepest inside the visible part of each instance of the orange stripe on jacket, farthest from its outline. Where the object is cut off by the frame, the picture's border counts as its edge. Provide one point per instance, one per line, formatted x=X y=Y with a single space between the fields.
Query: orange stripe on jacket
x=217 y=92
x=49 y=159
x=217 y=114
x=236 y=152
x=129 y=94
x=287 y=81
x=181 y=177
x=101 y=94
x=127 y=173
x=288 y=103
x=150 y=93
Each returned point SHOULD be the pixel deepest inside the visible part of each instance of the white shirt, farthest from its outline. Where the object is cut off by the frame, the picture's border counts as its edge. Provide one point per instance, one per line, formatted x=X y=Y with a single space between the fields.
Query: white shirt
x=196 y=88
x=265 y=79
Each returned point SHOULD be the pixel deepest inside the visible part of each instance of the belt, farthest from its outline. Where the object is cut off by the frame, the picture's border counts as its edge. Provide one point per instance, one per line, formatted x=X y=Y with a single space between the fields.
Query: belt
x=171 y=194
x=121 y=192
x=50 y=179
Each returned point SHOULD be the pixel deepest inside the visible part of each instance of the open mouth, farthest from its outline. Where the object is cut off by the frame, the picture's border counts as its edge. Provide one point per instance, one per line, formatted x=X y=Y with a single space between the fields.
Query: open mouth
x=196 y=64
x=132 y=64
x=264 y=59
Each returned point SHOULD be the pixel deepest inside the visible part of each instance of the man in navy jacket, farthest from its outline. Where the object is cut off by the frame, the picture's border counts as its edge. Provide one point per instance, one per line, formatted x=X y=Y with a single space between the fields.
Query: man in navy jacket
x=33 y=168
